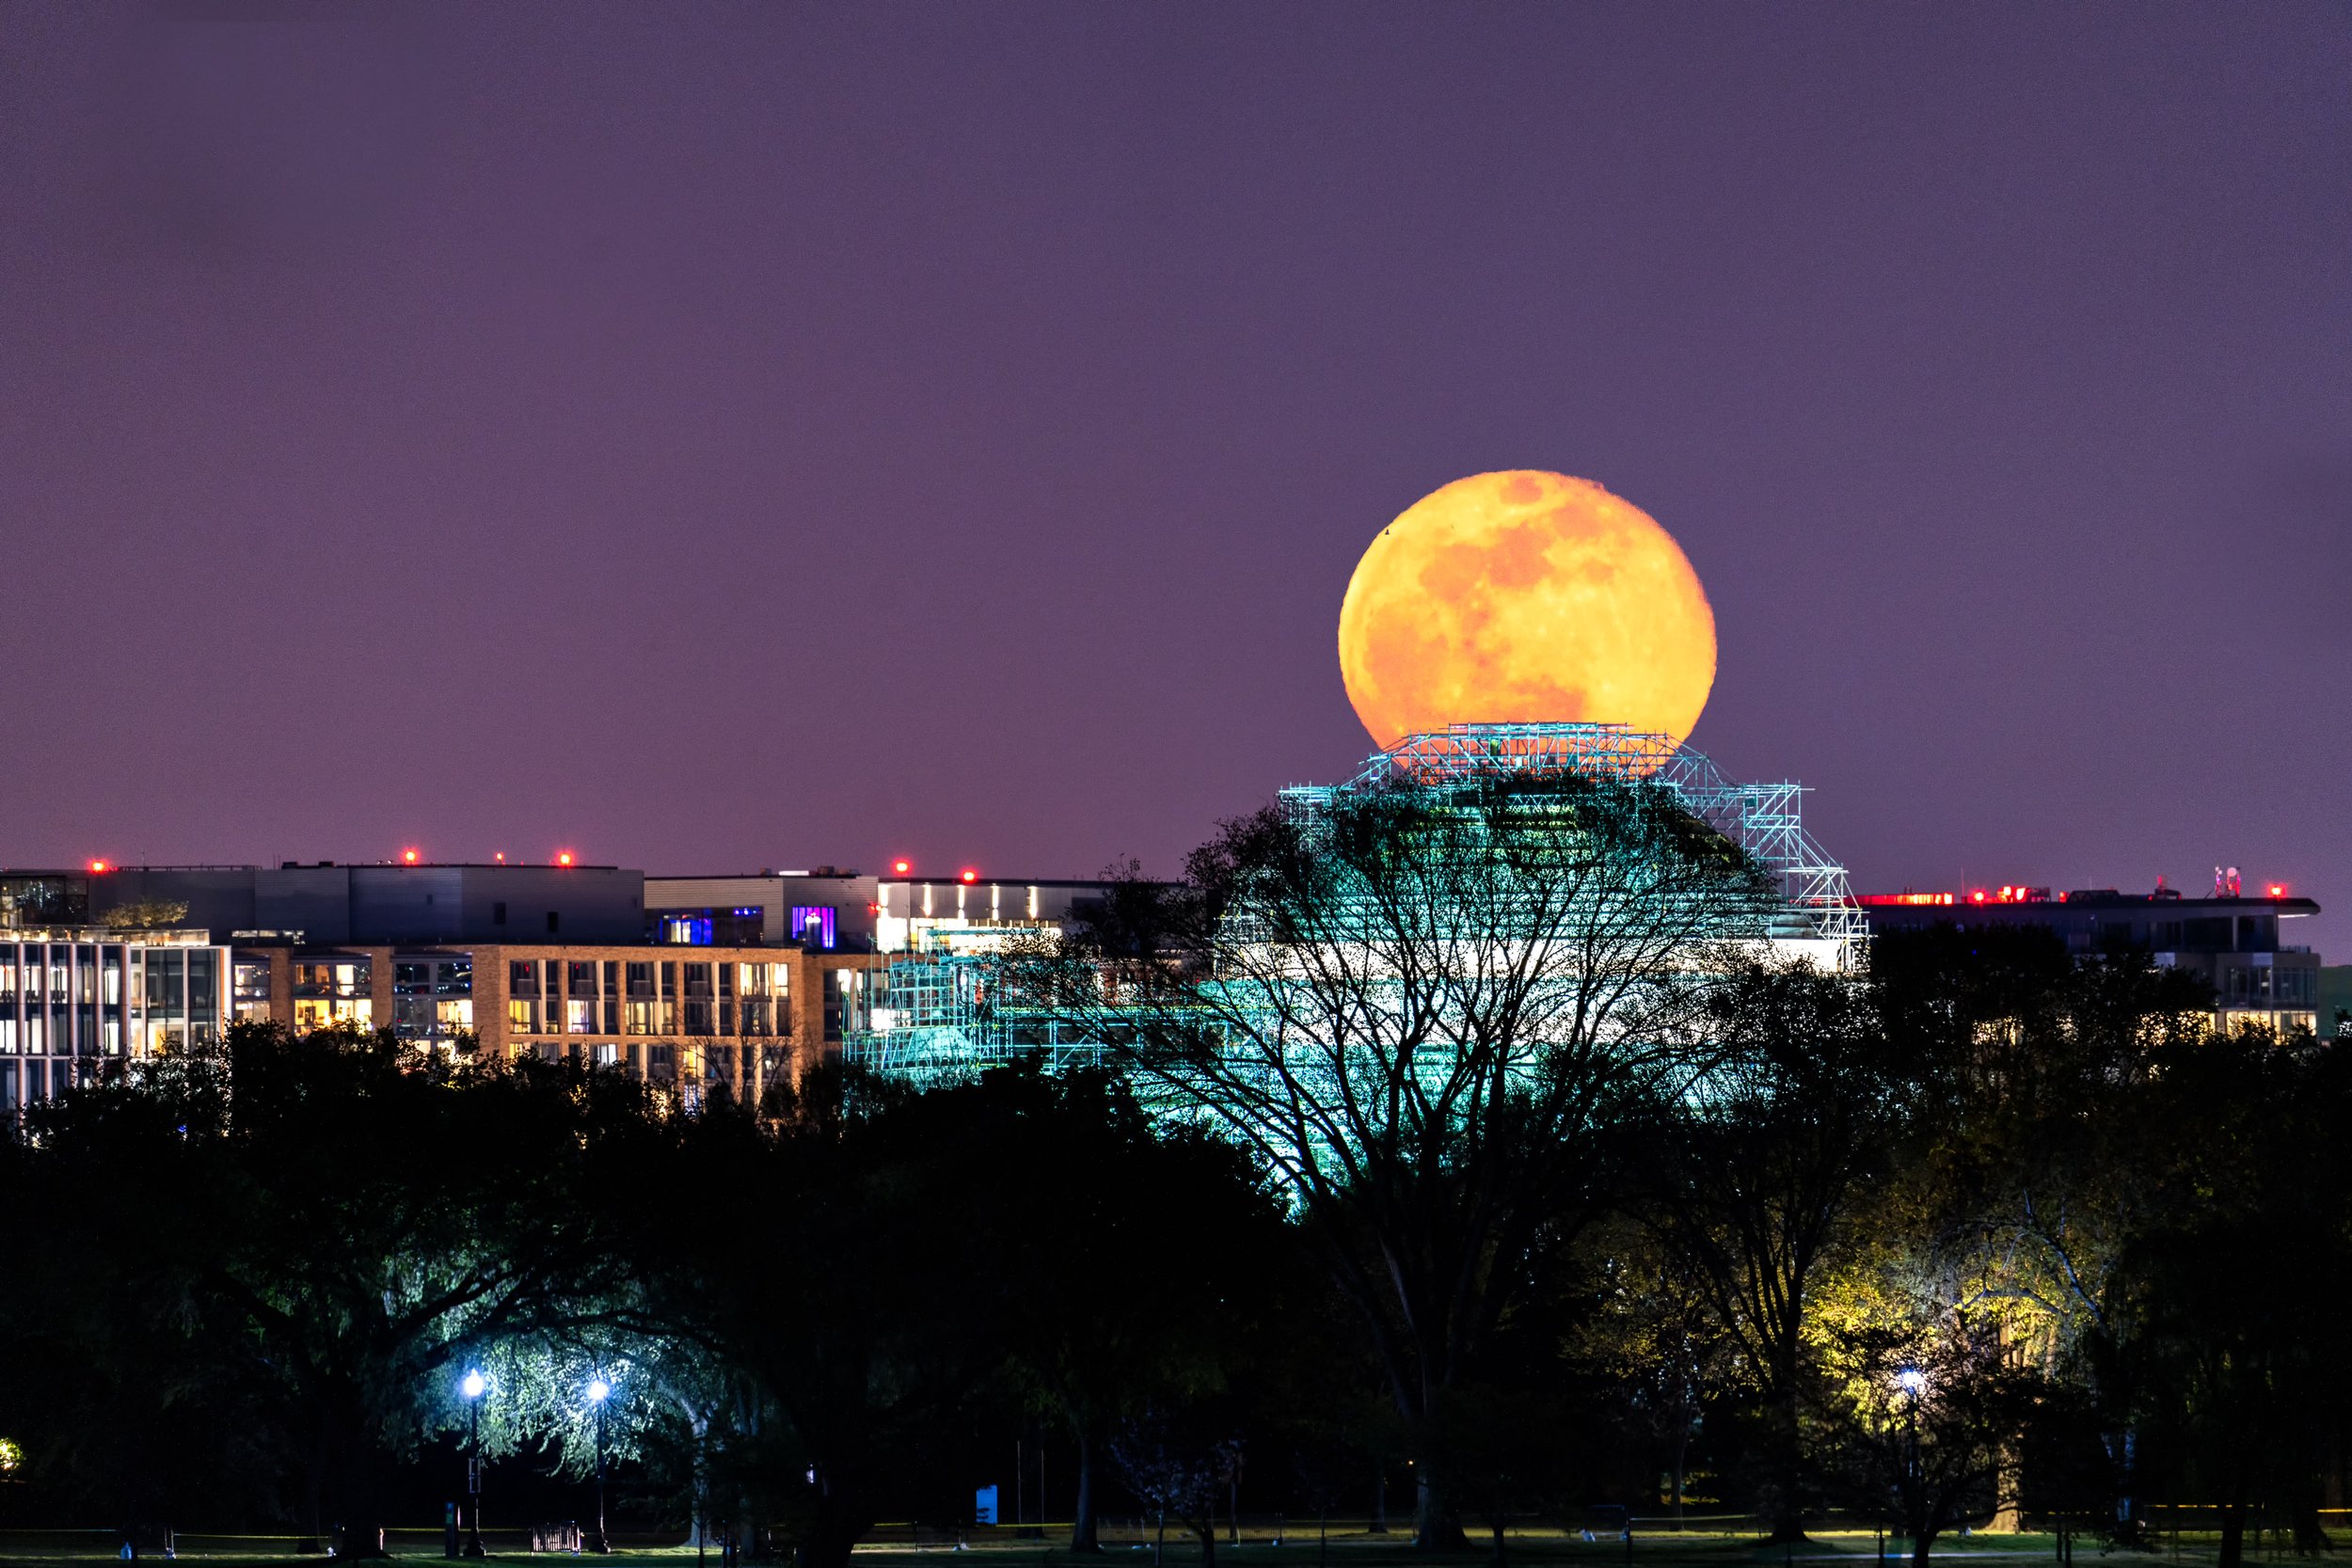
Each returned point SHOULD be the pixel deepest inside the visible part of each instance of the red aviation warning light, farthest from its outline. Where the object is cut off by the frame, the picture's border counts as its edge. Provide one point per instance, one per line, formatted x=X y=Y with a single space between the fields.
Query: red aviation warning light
x=99 y=865
x=562 y=857
x=2278 y=890
x=407 y=857
x=899 y=868
x=970 y=875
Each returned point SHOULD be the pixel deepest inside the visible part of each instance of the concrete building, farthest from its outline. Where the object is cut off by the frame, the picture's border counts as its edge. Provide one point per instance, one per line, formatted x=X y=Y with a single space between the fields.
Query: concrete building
x=826 y=909
x=969 y=913
x=842 y=911
x=2234 y=943
x=78 y=1000
x=388 y=902
x=673 y=1015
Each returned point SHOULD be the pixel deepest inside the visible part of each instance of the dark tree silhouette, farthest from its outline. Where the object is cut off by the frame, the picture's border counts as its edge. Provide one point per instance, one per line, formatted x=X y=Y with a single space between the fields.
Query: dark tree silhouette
x=1421 y=1006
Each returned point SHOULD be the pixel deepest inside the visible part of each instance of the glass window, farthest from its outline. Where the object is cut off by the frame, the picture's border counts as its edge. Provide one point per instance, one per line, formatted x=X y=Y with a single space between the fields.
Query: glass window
x=411 y=979
x=641 y=980
x=698 y=979
x=167 y=973
x=518 y=1016
x=640 y=1016
x=813 y=925
x=453 y=1014
x=522 y=978
x=579 y=1018
x=318 y=1012
x=453 y=978
x=204 y=983
x=581 y=981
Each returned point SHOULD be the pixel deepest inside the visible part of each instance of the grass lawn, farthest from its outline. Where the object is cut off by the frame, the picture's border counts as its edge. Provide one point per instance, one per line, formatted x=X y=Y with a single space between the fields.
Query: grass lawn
x=1348 y=1547
x=1352 y=1548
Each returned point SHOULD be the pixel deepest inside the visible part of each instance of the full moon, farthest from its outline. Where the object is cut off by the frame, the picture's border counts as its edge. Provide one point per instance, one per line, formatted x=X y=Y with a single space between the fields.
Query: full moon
x=1525 y=597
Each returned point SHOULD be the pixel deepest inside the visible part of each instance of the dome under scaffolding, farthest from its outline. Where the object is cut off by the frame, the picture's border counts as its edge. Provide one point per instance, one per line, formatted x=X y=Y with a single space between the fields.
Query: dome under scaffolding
x=930 y=1017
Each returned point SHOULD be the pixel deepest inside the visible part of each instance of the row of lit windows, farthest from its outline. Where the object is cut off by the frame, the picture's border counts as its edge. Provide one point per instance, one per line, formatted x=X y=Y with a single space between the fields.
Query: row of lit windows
x=755 y=1016
x=663 y=1063
x=609 y=980
x=71 y=999
x=86 y=972
x=97 y=1033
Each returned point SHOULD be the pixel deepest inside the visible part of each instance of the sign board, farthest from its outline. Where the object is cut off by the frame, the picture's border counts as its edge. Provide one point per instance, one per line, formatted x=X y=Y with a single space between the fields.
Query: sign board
x=984 y=1505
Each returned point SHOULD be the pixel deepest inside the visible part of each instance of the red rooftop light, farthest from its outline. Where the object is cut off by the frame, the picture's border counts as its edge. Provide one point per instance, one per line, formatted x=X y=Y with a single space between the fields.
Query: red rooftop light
x=2278 y=890
x=970 y=875
x=99 y=865
x=562 y=857
x=901 y=868
x=407 y=857
x=500 y=857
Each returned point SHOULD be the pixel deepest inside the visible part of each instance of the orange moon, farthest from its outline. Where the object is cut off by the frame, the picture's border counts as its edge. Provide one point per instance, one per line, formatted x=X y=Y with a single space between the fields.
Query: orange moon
x=1525 y=597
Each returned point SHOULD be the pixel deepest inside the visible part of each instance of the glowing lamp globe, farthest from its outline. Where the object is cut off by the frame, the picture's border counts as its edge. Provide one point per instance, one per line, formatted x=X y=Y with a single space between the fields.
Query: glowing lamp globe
x=598 y=1391
x=474 y=1386
x=1528 y=597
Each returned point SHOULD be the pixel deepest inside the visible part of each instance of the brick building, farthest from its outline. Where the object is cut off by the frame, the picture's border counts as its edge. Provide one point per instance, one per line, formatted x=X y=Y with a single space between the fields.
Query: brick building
x=689 y=1017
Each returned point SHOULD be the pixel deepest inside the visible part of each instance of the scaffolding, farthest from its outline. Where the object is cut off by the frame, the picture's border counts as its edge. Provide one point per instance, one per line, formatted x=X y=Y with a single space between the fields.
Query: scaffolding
x=1767 y=820
x=937 y=1016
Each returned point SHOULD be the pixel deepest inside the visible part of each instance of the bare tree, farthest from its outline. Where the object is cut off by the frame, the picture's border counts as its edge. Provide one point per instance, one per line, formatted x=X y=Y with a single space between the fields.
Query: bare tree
x=1754 y=1180
x=1423 y=1005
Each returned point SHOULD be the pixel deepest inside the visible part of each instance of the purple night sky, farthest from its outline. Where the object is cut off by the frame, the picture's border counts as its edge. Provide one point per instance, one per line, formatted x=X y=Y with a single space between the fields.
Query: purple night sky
x=713 y=439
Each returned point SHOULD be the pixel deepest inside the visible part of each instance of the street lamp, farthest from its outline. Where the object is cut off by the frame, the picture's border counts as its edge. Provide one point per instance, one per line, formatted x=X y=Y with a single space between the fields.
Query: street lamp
x=474 y=1387
x=1914 y=1383
x=598 y=1391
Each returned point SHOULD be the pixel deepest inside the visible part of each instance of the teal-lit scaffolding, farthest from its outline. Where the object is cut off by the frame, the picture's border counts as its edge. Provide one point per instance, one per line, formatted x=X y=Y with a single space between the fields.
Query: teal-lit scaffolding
x=935 y=1016
x=1765 y=820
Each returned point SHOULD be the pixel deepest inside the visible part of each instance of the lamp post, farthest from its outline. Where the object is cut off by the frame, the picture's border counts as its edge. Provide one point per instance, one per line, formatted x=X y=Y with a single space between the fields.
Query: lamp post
x=1914 y=1383
x=598 y=1391
x=474 y=1387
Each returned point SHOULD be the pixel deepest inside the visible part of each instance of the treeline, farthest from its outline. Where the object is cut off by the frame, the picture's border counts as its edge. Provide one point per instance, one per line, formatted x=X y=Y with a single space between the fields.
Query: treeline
x=1987 y=1231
